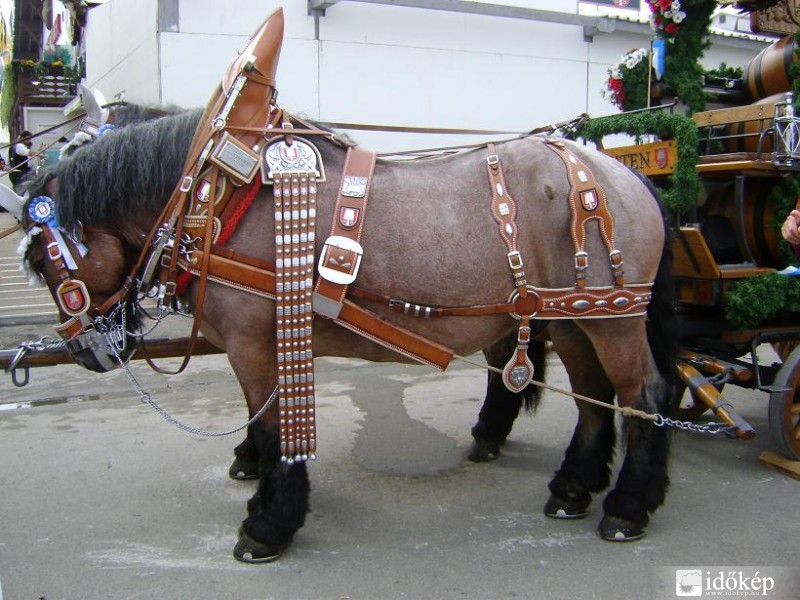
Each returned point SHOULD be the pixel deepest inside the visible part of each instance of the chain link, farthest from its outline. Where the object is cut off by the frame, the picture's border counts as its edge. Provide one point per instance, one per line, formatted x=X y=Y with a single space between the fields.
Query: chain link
x=712 y=428
x=147 y=399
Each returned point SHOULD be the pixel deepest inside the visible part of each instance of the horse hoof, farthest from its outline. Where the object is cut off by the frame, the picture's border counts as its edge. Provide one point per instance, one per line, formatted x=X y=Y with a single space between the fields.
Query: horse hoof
x=614 y=529
x=558 y=508
x=248 y=550
x=483 y=451
x=243 y=470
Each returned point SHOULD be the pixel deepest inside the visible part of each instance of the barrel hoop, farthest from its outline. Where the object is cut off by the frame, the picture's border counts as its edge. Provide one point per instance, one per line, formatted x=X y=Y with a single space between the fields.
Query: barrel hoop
x=758 y=80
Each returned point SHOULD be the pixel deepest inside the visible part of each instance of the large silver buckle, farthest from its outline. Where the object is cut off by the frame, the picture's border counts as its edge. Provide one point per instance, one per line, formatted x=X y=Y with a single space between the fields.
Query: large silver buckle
x=334 y=275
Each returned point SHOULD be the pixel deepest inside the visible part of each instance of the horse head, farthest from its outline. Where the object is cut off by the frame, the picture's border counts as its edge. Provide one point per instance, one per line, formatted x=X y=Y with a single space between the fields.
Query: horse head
x=85 y=269
x=86 y=222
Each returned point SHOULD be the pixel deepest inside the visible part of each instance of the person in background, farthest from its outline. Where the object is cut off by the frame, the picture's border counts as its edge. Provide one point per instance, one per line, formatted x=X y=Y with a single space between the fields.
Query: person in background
x=791 y=228
x=19 y=156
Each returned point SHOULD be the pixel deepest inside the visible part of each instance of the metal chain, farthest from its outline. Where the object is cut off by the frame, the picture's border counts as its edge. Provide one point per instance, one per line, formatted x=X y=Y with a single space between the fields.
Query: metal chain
x=712 y=428
x=658 y=419
x=147 y=399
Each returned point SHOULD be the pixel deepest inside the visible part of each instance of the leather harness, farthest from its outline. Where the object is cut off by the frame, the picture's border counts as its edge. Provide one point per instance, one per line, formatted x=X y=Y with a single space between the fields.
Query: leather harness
x=216 y=189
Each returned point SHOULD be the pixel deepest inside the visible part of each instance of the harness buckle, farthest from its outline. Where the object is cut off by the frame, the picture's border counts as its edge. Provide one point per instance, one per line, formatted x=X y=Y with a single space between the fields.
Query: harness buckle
x=54 y=251
x=492 y=160
x=340 y=260
x=515 y=260
x=186 y=184
x=581 y=261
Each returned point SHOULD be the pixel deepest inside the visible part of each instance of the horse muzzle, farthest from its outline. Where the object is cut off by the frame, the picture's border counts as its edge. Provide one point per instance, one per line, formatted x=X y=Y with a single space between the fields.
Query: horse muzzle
x=94 y=350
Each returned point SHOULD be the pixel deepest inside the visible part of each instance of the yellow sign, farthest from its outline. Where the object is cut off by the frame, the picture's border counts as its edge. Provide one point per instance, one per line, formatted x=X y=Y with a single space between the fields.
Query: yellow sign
x=658 y=158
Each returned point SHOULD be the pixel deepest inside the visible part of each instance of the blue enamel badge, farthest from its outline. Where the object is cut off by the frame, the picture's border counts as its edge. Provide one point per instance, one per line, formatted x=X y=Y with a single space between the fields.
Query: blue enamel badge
x=42 y=209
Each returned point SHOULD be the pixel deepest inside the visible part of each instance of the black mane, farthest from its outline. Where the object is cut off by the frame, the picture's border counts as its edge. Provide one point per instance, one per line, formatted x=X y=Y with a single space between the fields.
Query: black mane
x=129 y=170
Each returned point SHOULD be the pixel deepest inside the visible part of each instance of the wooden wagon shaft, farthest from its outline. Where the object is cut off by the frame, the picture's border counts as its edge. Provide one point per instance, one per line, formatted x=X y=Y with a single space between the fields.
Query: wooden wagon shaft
x=155 y=349
x=706 y=393
x=708 y=364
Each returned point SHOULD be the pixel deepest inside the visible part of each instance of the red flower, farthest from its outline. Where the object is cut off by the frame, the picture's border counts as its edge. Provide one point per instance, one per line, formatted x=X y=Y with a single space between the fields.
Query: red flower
x=671 y=28
x=665 y=4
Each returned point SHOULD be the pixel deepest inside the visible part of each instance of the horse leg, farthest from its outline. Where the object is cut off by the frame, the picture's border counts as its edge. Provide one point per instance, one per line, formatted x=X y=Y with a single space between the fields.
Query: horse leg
x=643 y=480
x=278 y=508
x=586 y=465
x=245 y=461
x=501 y=406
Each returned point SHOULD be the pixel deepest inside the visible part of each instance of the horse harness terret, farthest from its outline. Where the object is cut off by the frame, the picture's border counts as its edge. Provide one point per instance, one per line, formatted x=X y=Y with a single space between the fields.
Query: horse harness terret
x=219 y=182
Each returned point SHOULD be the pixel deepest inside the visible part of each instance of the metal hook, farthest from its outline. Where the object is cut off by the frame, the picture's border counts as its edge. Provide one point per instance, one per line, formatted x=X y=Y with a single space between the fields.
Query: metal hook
x=24 y=381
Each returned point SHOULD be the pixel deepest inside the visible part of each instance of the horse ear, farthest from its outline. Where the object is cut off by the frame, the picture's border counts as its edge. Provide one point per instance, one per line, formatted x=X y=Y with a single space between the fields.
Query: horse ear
x=94 y=104
x=11 y=202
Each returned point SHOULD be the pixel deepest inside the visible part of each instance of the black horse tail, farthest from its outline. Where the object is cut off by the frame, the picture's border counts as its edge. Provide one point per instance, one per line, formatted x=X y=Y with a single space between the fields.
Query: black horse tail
x=663 y=327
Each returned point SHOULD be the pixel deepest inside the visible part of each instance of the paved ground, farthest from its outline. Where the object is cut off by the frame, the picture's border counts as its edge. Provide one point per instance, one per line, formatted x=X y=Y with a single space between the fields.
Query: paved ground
x=103 y=499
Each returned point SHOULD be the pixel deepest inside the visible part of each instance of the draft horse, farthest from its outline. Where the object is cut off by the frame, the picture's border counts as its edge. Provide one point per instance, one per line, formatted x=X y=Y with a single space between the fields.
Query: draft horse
x=430 y=239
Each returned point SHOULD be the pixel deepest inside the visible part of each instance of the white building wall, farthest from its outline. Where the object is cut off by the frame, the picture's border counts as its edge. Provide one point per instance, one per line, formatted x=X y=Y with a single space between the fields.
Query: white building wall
x=122 y=50
x=370 y=63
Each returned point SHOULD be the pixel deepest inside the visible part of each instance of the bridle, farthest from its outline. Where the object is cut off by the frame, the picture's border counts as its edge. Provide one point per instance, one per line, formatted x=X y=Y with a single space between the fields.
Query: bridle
x=97 y=331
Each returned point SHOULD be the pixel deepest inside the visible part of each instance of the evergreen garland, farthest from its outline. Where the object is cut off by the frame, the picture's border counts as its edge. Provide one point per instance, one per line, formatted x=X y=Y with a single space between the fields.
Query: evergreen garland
x=682 y=71
x=759 y=298
x=685 y=185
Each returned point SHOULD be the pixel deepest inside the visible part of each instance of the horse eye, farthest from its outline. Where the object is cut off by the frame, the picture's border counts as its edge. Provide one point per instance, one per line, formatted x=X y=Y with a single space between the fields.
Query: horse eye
x=76 y=232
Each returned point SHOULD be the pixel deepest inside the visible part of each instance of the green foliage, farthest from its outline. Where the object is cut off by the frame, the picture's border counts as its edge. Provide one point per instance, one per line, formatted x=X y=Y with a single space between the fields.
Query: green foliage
x=685 y=186
x=759 y=298
x=723 y=71
x=682 y=72
x=8 y=95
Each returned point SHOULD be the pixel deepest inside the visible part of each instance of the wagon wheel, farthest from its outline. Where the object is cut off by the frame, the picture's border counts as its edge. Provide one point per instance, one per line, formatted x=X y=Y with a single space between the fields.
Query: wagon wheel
x=784 y=348
x=784 y=408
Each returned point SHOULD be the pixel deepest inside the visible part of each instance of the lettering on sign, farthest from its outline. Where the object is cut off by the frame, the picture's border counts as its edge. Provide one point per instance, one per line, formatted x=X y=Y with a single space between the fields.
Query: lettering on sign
x=657 y=158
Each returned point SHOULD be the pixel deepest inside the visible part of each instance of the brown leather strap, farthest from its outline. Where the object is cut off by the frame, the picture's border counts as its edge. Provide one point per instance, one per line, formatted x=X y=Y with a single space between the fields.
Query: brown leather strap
x=504 y=212
x=342 y=252
x=588 y=201
x=518 y=372
x=256 y=277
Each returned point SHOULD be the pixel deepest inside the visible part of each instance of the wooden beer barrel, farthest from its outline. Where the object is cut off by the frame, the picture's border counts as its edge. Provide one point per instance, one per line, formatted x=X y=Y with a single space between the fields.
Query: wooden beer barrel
x=743 y=136
x=768 y=72
x=758 y=229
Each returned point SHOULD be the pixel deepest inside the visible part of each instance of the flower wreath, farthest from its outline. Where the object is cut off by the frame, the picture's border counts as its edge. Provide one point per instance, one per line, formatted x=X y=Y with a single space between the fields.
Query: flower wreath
x=626 y=86
x=666 y=17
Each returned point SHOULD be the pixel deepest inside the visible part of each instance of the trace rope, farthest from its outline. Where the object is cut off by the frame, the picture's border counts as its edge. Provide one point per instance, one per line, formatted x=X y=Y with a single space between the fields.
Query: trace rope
x=657 y=419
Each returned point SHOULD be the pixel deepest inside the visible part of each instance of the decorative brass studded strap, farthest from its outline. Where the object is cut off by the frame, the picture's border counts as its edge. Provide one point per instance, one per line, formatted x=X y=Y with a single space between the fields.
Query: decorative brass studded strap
x=295 y=220
x=518 y=372
x=588 y=202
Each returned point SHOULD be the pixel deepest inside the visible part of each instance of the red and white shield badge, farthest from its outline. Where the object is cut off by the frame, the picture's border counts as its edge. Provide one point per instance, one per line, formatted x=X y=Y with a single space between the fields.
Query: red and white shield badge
x=73 y=297
x=348 y=216
x=662 y=157
x=203 y=190
x=589 y=199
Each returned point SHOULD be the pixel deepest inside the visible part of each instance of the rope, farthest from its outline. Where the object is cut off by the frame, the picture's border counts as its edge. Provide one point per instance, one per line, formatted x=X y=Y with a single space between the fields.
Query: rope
x=241 y=209
x=626 y=411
